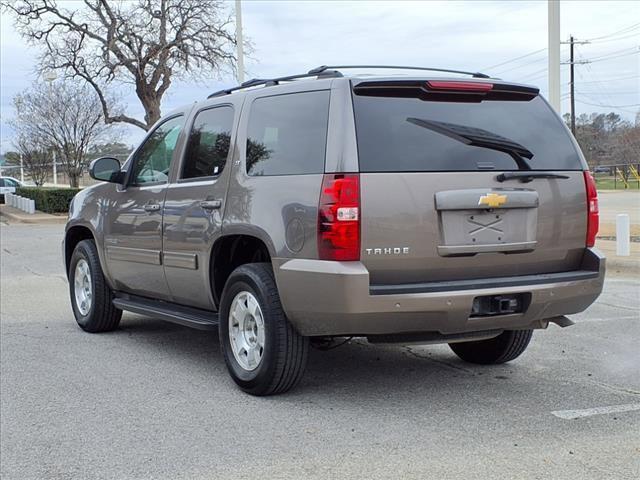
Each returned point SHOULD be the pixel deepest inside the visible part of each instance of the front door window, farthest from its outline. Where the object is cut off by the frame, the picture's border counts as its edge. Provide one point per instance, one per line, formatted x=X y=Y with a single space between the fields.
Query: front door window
x=153 y=160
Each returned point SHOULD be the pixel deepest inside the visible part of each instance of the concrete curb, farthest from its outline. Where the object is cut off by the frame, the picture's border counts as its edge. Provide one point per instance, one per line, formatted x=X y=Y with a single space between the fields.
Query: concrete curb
x=616 y=264
x=18 y=216
x=622 y=264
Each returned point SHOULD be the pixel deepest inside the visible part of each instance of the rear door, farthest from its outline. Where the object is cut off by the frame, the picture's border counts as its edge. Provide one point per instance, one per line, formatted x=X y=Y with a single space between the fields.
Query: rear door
x=437 y=199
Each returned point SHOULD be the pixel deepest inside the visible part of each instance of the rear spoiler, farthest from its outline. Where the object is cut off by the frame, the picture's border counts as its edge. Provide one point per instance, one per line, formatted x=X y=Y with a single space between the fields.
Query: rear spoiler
x=446 y=90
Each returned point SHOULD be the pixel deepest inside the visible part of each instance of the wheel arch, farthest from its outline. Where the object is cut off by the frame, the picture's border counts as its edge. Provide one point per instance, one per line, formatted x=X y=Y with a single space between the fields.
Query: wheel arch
x=74 y=234
x=229 y=252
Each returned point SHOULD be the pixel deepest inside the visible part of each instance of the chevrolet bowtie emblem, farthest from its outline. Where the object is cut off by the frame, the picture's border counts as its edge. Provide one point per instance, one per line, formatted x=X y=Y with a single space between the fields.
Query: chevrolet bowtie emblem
x=492 y=200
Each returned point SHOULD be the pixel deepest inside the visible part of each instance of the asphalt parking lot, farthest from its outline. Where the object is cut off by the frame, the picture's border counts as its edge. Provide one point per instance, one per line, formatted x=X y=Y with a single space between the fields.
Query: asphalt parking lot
x=153 y=400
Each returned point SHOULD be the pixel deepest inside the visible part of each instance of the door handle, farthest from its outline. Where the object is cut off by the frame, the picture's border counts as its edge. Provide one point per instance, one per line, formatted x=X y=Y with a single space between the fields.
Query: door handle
x=152 y=207
x=211 y=204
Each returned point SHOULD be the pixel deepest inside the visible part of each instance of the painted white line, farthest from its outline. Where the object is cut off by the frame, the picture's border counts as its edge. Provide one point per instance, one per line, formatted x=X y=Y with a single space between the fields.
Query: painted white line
x=608 y=319
x=587 y=412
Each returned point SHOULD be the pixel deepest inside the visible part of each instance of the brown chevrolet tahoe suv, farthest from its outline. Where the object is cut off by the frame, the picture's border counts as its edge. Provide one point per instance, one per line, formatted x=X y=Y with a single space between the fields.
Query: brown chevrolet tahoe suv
x=290 y=211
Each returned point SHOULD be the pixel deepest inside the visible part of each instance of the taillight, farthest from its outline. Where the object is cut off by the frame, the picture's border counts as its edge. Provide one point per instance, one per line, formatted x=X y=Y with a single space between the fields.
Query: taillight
x=459 y=86
x=593 y=215
x=339 y=217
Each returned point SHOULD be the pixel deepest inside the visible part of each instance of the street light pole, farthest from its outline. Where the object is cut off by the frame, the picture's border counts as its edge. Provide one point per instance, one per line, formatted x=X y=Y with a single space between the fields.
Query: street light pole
x=21 y=169
x=50 y=77
x=239 y=40
x=553 y=21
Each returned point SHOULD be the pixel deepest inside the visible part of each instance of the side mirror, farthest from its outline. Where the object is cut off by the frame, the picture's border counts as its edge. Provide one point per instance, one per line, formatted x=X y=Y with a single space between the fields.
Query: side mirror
x=106 y=169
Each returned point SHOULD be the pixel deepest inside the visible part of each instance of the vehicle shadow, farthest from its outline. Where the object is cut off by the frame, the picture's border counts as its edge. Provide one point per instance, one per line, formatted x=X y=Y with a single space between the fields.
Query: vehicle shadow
x=371 y=371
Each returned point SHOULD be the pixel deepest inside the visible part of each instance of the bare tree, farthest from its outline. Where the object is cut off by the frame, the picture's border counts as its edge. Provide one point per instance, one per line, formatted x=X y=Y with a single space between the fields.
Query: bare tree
x=36 y=158
x=65 y=117
x=608 y=139
x=146 y=43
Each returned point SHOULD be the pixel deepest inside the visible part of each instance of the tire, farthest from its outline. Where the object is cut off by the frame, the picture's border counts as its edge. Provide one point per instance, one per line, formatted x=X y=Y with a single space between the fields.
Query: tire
x=507 y=346
x=98 y=314
x=284 y=351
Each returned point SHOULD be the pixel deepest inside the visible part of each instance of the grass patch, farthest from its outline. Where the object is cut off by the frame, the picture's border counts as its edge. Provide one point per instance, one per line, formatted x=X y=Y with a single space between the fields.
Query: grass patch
x=609 y=183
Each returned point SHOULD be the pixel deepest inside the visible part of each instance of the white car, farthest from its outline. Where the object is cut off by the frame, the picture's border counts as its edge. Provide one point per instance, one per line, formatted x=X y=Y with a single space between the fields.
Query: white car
x=8 y=185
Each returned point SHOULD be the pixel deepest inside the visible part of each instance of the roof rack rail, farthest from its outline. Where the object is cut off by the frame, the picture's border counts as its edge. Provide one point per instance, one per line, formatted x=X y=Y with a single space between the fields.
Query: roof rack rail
x=325 y=71
x=254 y=82
x=324 y=68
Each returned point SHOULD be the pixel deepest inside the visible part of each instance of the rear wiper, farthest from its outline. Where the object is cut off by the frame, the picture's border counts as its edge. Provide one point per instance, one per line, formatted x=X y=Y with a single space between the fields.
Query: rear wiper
x=478 y=137
x=526 y=177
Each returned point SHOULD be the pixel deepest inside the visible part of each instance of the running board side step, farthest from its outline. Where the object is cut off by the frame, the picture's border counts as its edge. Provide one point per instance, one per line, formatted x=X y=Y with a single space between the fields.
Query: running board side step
x=170 y=312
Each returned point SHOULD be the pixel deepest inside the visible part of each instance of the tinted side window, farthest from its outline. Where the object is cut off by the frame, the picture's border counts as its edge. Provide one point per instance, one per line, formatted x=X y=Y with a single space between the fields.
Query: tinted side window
x=287 y=134
x=209 y=142
x=153 y=159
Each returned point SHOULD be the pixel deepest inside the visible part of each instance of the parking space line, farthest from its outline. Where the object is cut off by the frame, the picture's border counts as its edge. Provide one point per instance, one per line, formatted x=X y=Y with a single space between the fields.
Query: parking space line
x=588 y=412
x=609 y=319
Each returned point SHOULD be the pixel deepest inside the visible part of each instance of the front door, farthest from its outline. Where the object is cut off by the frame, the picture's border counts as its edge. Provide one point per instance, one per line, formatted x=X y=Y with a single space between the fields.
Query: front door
x=194 y=206
x=133 y=231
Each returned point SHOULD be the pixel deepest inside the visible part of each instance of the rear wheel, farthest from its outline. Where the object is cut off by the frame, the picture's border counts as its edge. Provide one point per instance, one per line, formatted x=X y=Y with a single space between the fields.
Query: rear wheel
x=507 y=346
x=91 y=297
x=263 y=352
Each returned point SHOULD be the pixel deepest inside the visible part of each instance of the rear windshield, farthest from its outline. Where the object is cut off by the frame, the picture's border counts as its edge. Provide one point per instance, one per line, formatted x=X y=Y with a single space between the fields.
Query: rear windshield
x=412 y=135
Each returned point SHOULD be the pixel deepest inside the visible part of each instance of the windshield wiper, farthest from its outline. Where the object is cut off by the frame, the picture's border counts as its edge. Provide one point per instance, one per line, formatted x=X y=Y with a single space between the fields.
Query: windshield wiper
x=526 y=177
x=478 y=137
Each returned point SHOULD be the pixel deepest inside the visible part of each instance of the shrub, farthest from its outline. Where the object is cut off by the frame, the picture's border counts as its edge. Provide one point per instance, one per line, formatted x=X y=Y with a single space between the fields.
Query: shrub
x=49 y=200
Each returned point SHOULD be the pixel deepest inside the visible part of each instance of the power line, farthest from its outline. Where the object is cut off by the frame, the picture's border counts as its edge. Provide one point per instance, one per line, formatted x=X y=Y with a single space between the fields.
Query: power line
x=514 y=59
x=604 y=92
x=614 y=57
x=521 y=66
x=621 y=31
x=613 y=106
x=534 y=74
x=612 y=79
x=610 y=93
x=538 y=60
x=633 y=35
x=596 y=84
x=610 y=54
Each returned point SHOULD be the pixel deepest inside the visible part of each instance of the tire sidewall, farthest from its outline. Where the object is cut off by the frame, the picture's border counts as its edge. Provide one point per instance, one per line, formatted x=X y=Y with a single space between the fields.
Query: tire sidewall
x=80 y=253
x=239 y=281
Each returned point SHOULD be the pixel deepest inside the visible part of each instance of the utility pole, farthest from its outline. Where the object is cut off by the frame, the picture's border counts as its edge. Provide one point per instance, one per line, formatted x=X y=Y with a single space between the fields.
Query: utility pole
x=553 y=27
x=239 y=40
x=572 y=79
x=572 y=87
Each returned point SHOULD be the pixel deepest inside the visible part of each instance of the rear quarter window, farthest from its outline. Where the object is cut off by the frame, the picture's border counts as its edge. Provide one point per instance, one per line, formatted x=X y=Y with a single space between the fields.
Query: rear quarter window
x=387 y=142
x=287 y=134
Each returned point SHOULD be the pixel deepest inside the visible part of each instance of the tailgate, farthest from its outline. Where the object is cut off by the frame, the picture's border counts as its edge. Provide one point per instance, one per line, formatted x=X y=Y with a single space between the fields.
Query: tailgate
x=430 y=226
x=435 y=203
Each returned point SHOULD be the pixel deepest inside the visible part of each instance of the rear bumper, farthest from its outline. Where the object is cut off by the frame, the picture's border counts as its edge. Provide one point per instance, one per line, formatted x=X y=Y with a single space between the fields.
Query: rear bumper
x=335 y=298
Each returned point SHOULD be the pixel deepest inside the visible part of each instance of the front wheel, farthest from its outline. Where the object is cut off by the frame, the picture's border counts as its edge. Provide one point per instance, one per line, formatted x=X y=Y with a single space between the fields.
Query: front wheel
x=91 y=297
x=263 y=352
x=507 y=346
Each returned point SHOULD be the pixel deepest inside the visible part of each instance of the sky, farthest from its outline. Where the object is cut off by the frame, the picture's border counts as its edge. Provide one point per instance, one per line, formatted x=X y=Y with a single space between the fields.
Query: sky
x=292 y=37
